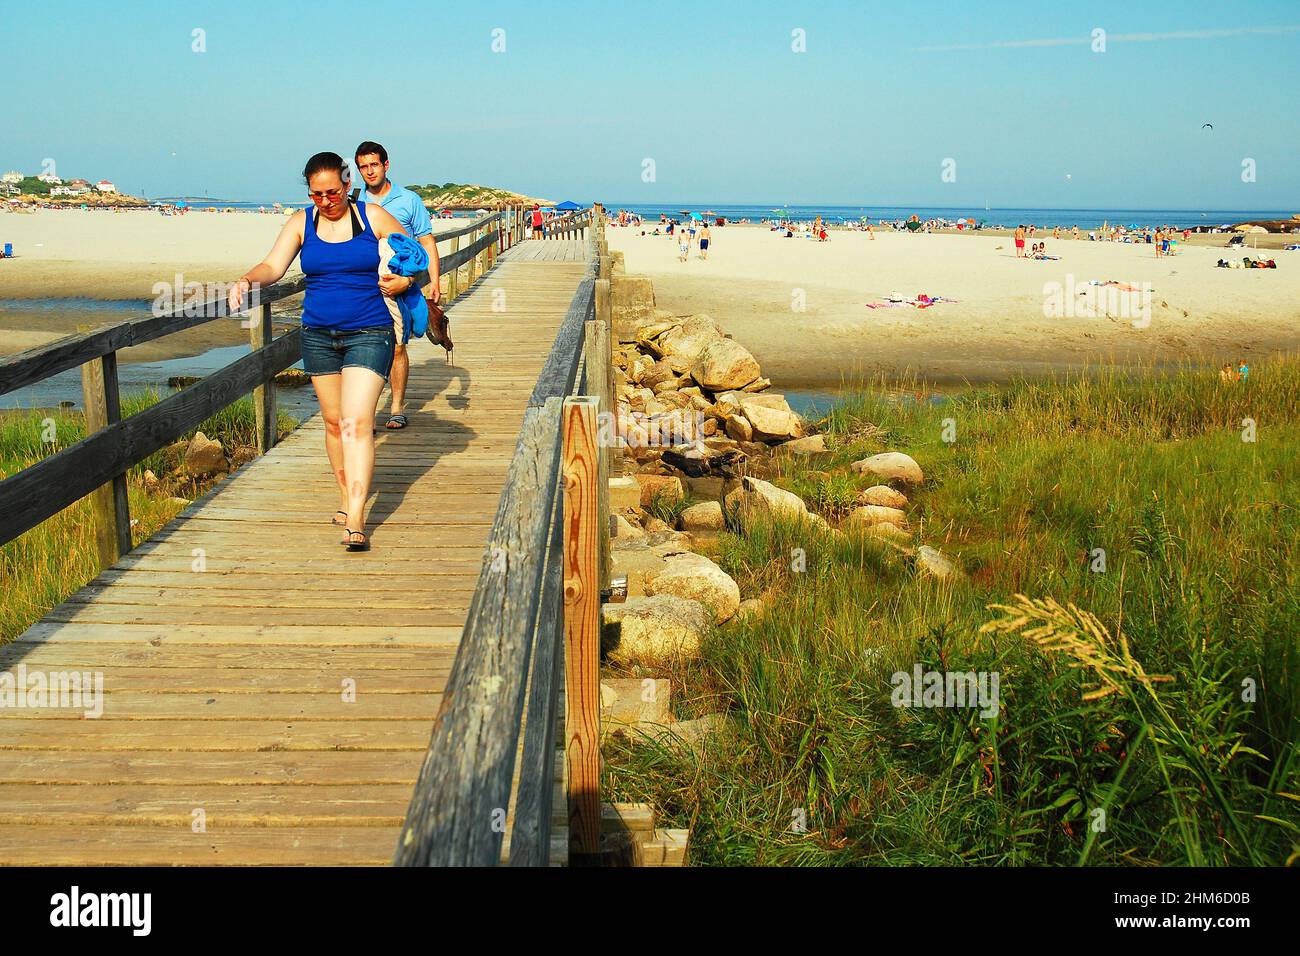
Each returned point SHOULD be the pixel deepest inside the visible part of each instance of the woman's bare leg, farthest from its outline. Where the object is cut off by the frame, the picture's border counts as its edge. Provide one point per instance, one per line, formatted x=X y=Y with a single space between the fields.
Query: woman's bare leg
x=361 y=388
x=329 y=392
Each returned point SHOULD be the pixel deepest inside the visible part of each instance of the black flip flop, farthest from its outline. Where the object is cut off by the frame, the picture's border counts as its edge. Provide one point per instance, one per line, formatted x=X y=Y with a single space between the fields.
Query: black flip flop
x=336 y=522
x=357 y=545
x=399 y=419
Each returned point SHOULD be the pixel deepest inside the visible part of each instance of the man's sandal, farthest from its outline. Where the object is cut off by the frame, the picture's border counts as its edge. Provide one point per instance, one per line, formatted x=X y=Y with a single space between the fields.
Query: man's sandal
x=362 y=545
x=396 y=422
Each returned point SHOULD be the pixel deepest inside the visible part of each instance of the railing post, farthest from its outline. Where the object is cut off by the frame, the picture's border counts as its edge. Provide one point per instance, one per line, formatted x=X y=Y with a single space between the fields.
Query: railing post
x=264 y=412
x=109 y=502
x=596 y=347
x=582 y=624
x=453 y=275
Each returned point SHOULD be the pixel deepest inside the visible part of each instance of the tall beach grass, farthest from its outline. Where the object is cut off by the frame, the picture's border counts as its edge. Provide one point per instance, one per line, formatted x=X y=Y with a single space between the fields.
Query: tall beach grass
x=1149 y=524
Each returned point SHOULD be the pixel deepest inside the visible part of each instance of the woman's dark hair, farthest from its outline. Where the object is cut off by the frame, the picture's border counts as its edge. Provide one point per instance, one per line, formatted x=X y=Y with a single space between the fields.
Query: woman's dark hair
x=324 y=162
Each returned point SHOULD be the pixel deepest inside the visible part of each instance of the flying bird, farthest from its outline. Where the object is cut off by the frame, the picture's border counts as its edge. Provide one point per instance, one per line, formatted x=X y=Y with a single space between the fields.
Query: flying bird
x=1207 y=126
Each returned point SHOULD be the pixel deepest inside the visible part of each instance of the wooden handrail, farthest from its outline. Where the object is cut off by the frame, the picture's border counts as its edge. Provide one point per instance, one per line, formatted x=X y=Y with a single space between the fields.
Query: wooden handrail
x=510 y=657
x=37 y=364
x=47 y=487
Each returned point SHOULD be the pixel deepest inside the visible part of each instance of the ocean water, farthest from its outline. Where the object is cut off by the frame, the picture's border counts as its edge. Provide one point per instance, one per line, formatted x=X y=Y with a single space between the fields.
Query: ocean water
x=1083 y=218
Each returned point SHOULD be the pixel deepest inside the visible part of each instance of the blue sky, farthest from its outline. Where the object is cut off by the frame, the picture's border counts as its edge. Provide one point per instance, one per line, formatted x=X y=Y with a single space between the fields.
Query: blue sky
x=712 y=92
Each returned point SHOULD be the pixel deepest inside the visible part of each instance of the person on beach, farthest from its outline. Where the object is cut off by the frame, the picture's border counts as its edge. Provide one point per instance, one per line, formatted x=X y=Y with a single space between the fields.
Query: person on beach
x=704 y=241
x=1020 y=241
x=683 y=245
x=537 y=222
x=408 y=209
x=1159 y=244
x=347 y=331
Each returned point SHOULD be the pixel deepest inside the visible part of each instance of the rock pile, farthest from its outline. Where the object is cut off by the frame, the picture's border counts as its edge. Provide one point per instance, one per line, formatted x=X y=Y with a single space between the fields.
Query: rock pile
x=689 y=401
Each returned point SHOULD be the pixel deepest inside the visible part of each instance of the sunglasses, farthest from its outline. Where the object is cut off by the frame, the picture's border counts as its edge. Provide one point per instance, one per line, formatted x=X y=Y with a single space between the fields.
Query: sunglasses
x=319 y=195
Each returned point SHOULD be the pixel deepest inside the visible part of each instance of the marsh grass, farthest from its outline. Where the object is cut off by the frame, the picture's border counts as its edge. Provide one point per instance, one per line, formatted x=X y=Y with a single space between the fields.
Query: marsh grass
x=1091 y=759
x=41 y=568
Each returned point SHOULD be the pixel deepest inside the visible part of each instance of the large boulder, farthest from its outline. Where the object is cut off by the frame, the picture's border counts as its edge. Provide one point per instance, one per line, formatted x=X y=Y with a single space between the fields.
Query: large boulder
x=757 y=497
x=656 y=373
x=771 y=423
x=931 y=562
x=655 y=630
x=683 y=344
x=882 y=495
x=725 y=364
x=696 y=578
x=663 y=486
x=705 y=516
x=867 y=515
x=892 y=466
x=739 y=428
x=812 y=445
x=204 y=456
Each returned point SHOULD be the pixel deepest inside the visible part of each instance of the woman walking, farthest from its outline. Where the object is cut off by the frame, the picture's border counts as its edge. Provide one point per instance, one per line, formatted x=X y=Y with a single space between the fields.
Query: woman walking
x=347 y=331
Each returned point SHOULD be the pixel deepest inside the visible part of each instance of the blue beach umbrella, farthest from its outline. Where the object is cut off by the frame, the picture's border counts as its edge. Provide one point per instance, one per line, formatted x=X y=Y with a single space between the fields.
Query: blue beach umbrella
x=567 y=206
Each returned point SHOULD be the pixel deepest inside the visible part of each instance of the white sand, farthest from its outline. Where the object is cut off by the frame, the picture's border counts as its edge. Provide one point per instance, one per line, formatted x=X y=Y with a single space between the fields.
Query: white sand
x=752 y=280
x=120 y=255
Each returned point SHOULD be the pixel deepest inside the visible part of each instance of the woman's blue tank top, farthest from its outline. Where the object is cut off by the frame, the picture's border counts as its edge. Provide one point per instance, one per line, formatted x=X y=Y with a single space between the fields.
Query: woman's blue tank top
x=342 y=279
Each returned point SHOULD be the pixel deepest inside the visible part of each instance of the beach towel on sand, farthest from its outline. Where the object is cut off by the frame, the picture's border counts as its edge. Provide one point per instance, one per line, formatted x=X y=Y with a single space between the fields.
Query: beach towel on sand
x=409 y=259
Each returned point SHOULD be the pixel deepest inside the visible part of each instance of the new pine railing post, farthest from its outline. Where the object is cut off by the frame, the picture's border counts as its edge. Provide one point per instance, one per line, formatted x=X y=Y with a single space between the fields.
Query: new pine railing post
x=264 y=413
x=109 y=502
x=582 y=625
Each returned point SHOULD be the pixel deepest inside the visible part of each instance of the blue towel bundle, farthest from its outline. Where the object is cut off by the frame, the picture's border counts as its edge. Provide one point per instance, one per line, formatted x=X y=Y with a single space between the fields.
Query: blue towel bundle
x=409 y=259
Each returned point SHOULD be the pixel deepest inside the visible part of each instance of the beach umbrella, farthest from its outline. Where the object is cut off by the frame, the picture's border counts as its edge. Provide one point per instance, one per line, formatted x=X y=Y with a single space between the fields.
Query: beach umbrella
x=1257 y=229
x=568 y=206
x=709 y=212
x=695 y=215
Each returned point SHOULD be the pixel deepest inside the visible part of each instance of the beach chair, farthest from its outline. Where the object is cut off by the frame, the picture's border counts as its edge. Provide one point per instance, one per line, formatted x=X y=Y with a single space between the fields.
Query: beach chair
x=9 y=250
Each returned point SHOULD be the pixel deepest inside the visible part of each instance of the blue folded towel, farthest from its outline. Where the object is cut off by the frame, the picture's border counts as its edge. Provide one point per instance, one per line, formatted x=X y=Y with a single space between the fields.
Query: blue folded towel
x=409 y=259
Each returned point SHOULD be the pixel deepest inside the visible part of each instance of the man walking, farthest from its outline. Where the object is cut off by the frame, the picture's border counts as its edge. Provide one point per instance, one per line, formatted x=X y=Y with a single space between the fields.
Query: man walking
x=408 y=209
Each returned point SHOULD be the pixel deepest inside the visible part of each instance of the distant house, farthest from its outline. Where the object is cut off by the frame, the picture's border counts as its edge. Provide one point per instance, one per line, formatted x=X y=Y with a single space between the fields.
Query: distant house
x=11 y=177
x=50 y=179
x=8 y=189
x=82 y=184
x=104 y=186
x=68 y=191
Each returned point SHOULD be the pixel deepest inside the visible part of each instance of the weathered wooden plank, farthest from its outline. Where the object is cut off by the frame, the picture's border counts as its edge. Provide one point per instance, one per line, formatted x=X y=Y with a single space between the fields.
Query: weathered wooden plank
x=530 y=835
x=61 y=845
x=202 y=736
x=464 y=785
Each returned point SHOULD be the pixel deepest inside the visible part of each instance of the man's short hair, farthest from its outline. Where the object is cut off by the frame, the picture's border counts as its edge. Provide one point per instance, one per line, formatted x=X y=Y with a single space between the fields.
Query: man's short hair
x=366 y=148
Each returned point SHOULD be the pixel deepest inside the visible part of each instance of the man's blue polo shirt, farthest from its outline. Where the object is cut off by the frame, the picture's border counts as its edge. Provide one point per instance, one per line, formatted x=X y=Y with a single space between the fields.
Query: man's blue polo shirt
x=406 y=207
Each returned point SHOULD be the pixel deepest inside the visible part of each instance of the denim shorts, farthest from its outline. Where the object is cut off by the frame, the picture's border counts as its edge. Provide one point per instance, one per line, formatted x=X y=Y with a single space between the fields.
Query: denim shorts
x=330 y=351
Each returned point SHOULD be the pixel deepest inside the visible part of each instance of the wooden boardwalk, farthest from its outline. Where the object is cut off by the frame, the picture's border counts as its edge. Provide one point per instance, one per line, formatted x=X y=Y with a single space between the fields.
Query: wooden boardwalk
x=231 y=642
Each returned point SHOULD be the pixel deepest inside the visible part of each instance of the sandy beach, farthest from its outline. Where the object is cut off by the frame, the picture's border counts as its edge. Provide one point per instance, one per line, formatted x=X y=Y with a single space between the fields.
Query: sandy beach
x=102 y=254
x=754 y=278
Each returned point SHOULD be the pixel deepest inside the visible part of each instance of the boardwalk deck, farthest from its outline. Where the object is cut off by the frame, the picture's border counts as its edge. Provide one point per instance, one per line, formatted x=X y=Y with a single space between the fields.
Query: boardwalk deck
x=224 y=688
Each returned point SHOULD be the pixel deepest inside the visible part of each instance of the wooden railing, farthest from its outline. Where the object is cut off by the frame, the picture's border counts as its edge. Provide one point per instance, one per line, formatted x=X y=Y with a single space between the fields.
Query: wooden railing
x=534 y=622
x=97 y=465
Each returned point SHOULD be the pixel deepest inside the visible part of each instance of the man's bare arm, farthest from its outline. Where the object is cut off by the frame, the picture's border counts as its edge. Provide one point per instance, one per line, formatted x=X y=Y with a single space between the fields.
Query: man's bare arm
x=430 y=243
